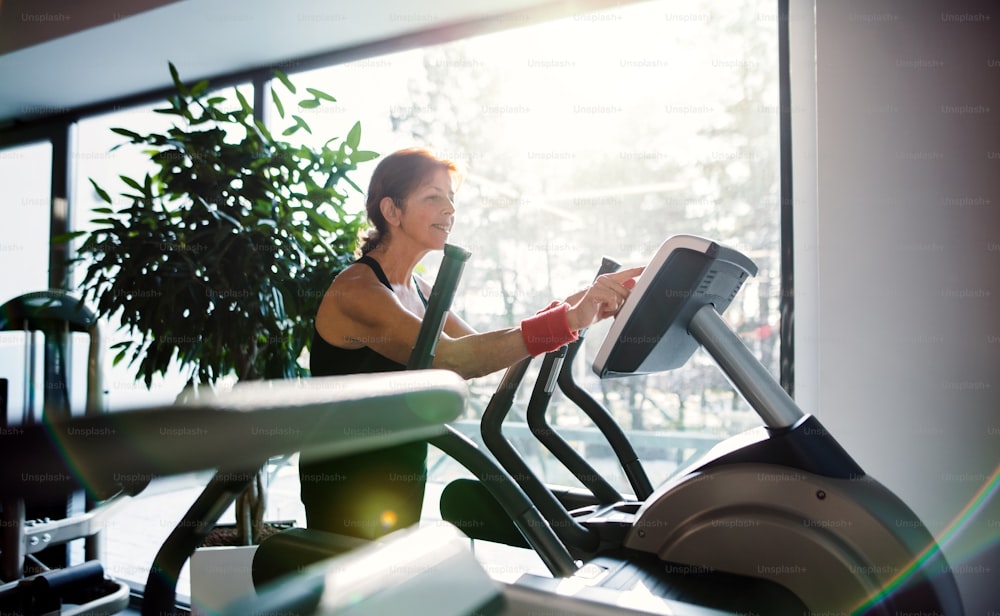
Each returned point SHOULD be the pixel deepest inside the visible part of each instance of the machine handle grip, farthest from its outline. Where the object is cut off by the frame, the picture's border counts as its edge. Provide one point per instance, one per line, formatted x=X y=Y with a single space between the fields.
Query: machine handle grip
x=438 y=303
x=608 y=266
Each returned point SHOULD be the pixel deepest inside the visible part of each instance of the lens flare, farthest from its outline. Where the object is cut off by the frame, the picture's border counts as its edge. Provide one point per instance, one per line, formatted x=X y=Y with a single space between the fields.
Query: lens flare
x=388 y=519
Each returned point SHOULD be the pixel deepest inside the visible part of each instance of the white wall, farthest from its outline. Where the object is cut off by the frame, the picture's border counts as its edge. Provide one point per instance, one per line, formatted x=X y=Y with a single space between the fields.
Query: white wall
x=898 y=254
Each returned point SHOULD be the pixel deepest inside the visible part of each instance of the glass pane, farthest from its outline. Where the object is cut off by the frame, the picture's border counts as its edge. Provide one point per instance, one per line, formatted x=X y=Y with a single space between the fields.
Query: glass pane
x=575 y=150
x=102 y=156
x=135 y=534
x=97 y=159
x=25 y=199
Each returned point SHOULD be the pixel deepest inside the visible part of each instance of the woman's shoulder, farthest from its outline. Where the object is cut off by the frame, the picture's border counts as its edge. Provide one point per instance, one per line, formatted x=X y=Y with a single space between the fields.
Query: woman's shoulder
x=354 y=296
x=355 y=274
x=354 y=280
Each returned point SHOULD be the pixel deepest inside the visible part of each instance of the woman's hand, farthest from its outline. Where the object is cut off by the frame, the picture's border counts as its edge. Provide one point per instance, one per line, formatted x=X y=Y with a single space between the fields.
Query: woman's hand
x=603 y=299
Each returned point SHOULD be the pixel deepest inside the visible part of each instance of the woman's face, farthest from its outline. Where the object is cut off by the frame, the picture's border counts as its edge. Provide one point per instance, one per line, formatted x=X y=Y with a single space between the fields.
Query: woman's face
x=429 y=211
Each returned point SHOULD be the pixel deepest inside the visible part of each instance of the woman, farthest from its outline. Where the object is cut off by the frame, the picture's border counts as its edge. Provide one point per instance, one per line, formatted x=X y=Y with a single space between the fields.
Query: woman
x=368 y=322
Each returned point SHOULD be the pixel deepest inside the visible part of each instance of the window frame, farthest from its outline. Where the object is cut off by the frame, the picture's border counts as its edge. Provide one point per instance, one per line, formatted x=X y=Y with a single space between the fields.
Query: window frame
x=59 y=128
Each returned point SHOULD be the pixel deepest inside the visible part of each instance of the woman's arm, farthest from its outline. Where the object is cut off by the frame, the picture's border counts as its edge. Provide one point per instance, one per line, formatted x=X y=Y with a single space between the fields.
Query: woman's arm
x=359 y=311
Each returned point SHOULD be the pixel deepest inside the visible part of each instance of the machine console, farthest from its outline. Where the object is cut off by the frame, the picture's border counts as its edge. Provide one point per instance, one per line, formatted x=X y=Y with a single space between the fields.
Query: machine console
x=650 y=333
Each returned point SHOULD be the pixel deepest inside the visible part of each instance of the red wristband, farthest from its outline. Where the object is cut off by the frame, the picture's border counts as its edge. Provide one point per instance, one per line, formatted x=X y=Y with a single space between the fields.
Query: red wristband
x=548 y=330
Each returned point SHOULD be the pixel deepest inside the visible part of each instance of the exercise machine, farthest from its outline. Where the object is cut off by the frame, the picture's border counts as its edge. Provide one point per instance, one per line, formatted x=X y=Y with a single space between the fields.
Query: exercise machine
x=233 y=432
x=777 y=520
x=34 y=537
x=39 y=572
x=303 y=571
x=113 y=456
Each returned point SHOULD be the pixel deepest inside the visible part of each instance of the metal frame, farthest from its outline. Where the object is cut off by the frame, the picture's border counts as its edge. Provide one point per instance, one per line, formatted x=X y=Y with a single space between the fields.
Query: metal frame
x=20 y=537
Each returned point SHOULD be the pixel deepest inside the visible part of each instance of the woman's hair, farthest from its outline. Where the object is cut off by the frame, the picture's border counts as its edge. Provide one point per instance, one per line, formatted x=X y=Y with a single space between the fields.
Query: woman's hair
x=396 y=176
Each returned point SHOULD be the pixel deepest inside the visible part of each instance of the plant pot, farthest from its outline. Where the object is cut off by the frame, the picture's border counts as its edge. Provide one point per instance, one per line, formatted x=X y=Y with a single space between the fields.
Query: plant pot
x=225 y=535
x=222 y=569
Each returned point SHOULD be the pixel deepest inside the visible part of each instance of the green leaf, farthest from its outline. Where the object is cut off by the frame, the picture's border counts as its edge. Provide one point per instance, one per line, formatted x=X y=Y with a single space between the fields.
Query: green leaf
x=199 y=87
x=100 y=191
x=279 y=303
x=309 y=103
x=277 y=103
x=119 y=357
x=171 y=111
x=302 y=123
x=265 y=135
x=244 y=105
x=324 y=222
x=354 y=136
x=132 y=183
x=130 y=134
x=176 y=79
x=283 y=78
x=362 y=156
x=65 y=237
x=321 y=95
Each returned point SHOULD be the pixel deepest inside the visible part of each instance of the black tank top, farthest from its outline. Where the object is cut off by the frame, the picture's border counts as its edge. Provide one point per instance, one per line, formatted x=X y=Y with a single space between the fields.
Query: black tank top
x=372 y=493
x=328 y=360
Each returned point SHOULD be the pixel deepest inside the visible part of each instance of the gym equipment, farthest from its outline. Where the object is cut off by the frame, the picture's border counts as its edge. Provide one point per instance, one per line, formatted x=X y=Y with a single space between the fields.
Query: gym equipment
x=429 y=569
x=56 y=314
x=76 y=590
x=779 y=520
x=234 y=433
x=781 y=515
x=28 y=527
x=302 y=571
x=35 y=531
x=295 y=549
x=442 y=294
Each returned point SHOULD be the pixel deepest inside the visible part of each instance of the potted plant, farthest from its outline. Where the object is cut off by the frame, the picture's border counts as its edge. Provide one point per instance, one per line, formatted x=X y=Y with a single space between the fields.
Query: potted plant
x=218 y=261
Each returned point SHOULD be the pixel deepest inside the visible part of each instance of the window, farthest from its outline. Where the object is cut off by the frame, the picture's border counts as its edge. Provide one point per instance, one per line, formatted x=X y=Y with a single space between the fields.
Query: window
x=598 y=134
x=102 y=155
x=135 y=534
x=25 y=198
x=96 y=158
x=25 y=185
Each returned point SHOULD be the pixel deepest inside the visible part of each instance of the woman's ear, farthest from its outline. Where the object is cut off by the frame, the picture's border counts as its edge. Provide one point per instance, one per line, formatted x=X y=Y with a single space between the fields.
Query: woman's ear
x=389 y=211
